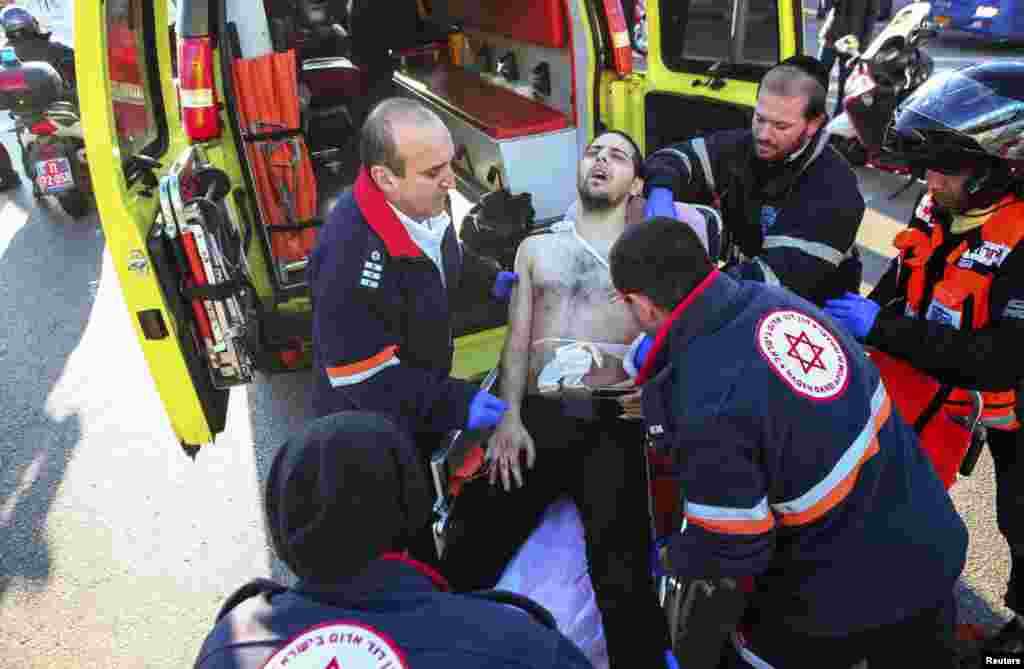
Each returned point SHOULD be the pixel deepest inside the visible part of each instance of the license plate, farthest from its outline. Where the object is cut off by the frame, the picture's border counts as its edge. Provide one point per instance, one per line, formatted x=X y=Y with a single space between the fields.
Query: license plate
x=942 y=21
x=54 y=175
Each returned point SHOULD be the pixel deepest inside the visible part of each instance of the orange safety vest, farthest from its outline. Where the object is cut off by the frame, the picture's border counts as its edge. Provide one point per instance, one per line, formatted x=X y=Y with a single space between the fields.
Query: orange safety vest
x=961 y=297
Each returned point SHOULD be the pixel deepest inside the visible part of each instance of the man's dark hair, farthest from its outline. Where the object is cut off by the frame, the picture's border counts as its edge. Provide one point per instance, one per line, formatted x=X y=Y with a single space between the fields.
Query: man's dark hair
x=638 y=156
x=793 y=79
x=661 y=258
x=377 y=145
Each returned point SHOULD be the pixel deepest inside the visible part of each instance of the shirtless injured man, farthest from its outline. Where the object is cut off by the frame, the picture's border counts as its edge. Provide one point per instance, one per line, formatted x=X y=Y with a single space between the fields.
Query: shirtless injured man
x=567 y=350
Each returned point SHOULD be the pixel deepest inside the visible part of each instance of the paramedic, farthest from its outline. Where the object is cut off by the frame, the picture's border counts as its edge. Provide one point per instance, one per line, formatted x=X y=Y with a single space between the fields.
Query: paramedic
x=572 y=443
x=386 y=274
x=794 y=468
x=952 y=302
x=31 y=44
x=363 y=601
x=788 y=200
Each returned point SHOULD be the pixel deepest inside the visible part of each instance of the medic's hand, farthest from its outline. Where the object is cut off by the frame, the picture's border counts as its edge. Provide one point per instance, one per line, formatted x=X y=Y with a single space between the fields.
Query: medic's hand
x=485 y=411
x=505 y=450
x=855 y=313
x=632 y=406
x=660 y=203
x=502 y=288
x=640 y=355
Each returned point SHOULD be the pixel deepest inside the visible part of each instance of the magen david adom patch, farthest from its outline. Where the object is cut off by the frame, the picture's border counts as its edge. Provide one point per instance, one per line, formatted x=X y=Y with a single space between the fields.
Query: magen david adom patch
x=338 y=645
x=804 y=354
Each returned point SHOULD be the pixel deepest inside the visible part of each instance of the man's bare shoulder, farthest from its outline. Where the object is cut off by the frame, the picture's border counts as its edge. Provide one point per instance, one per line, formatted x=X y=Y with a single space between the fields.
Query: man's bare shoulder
x=541 y=245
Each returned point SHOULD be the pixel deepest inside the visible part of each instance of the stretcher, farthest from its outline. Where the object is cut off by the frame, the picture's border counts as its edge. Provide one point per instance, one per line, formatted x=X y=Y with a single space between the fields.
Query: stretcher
x=268 y=104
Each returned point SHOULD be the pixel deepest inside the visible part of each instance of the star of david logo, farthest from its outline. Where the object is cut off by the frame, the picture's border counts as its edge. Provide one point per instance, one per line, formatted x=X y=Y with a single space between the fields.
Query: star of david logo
x=795 y=352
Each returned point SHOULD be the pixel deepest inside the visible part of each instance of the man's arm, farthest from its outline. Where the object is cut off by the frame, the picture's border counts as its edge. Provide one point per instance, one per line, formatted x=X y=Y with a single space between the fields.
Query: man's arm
x=511 y=438
x=515 y=357
x=358 y=341
x=686 y=168
x=984 y=359
x=730 y=528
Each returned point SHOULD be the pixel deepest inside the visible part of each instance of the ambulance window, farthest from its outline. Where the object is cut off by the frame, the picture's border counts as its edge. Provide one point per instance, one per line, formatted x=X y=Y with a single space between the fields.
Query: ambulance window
x=134 y=78
x=697 y=33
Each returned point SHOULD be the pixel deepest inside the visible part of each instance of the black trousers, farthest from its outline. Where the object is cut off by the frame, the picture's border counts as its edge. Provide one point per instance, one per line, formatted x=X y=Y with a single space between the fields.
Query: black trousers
x=1009 y=468
x=599 y=463
x=927 y=637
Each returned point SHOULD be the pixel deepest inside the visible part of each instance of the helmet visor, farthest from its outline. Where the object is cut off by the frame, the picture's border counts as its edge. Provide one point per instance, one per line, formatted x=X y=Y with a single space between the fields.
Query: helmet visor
x=954 y=121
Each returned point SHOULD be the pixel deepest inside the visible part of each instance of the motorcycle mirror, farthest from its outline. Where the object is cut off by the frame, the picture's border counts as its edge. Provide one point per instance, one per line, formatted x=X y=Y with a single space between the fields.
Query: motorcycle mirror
x=848 y=45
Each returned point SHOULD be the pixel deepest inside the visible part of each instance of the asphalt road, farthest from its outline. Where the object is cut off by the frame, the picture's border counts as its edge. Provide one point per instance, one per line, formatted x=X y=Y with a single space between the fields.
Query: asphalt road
x=115 y=549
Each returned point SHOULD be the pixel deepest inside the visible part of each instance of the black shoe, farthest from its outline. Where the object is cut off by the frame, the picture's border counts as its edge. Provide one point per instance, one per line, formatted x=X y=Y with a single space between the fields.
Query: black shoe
x=1009 y=639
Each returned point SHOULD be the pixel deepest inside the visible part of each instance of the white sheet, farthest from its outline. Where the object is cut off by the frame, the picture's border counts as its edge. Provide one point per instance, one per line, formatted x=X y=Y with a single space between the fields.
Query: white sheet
x=551 y=569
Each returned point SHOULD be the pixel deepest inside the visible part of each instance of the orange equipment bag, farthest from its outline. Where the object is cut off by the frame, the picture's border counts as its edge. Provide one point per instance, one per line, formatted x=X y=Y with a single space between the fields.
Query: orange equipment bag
x=913 y=393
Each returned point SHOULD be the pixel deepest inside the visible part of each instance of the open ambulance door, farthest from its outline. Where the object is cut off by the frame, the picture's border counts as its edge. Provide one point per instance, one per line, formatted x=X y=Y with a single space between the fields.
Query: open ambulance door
x=191 y=332
x=696 y=65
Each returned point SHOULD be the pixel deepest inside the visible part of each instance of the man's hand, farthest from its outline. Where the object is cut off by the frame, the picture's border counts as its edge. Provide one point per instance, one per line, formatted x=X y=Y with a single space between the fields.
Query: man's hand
x=485 y=411
x=660 y=203
x=632 y=406
x=855 y=313
x=503 y=285
x=504 y=450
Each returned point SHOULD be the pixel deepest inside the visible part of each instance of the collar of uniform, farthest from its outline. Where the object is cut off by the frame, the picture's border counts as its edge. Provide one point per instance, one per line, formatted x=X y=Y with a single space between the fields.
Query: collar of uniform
x=392 y=572
x=704 y=307
x=383 y=219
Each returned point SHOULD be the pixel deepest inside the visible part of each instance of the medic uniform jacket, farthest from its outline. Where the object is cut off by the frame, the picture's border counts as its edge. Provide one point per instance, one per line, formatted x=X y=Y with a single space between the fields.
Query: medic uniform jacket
x=793 y=466
x=391 y=617
x=953 y=305
x=382 y=330
x=793 y=224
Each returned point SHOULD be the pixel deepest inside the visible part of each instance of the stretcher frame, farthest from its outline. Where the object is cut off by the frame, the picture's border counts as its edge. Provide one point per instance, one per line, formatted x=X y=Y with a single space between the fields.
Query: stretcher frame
x=219 y=324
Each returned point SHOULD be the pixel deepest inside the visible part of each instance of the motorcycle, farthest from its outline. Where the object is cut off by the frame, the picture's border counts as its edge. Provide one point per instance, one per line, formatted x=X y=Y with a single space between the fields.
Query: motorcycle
x=892 y=67
x=48 y=129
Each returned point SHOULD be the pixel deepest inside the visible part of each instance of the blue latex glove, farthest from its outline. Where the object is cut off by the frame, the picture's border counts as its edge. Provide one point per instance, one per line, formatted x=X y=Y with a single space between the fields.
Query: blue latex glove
x=502 y=288
x=660 y=203
x=855 y=313
x=485 y=411
x=640 y=355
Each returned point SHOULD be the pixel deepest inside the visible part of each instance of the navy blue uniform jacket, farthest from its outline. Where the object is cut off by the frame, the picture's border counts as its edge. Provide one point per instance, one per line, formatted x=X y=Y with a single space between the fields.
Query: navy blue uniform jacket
x=793 y=465
x=794 y=224
x=392 y=609
x=382 y=328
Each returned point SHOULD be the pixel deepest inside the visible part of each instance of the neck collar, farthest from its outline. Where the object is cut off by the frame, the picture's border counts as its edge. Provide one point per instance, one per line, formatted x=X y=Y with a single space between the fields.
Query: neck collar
x=382 y=219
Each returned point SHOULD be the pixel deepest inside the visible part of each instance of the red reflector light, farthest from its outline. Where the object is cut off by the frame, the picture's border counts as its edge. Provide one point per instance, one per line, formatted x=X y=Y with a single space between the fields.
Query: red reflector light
x=43 y=128
x=199 y=112
x=12 y=81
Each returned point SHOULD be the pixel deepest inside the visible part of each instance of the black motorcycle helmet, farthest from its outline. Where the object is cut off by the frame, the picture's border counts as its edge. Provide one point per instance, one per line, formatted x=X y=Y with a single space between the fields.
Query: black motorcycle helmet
x=971 y=118
x=18 y=23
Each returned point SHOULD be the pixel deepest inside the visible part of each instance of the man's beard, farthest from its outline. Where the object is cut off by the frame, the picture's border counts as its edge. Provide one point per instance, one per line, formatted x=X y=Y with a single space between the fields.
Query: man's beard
x=592 y=202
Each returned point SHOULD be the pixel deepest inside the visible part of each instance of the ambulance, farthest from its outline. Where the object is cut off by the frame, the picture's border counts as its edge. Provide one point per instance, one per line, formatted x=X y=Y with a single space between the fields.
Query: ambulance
x=219 y=133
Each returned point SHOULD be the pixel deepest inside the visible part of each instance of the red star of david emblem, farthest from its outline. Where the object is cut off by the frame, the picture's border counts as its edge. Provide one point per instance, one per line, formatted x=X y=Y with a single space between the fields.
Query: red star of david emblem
x=795 y=352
